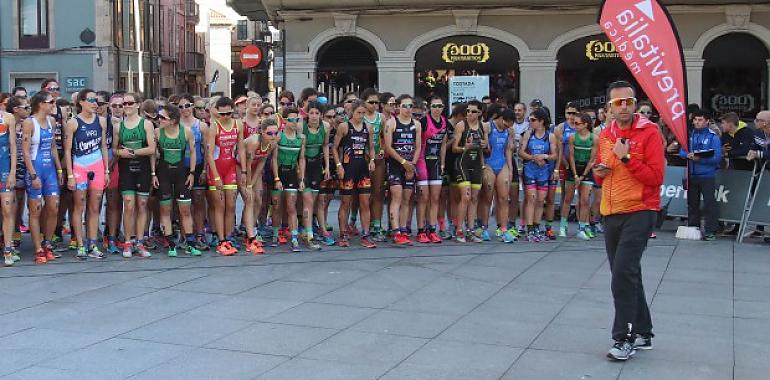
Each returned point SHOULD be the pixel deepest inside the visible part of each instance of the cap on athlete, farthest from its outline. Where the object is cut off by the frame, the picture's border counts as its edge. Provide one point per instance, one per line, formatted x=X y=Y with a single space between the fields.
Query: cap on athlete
x=536 y=103
x=240 y=99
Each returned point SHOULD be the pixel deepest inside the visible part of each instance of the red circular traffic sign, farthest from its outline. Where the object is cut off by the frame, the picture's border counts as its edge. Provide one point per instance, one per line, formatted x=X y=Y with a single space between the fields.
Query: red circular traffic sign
x=251 y=56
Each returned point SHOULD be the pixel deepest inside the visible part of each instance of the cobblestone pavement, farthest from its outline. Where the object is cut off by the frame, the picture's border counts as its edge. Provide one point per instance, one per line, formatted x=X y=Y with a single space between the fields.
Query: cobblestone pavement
x=484 y=311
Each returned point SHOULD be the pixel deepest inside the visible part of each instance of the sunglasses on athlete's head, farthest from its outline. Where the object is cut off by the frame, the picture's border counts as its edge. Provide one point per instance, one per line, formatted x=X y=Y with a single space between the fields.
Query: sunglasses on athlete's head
x=341 y=113
x=293 y=119
x=437 y=106
x=116 y=106
x=225 y=114
x=572 y=113
x=129 y=103
x=186 y=106
x=474 y=111
x=53 y=89
x=617 y=102
x=26 y=108
x=417 y=115
x=407 y=105
x=373 y=102
x=92 y=100
x=392 y=104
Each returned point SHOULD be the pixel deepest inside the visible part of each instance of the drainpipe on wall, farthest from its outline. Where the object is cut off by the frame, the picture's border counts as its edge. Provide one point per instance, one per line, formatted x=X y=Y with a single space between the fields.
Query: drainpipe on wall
x=116 y=76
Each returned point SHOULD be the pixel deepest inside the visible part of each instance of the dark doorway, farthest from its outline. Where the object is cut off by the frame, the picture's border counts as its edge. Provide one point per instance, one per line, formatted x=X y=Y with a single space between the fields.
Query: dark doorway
x=346 y=64
x=735 y=75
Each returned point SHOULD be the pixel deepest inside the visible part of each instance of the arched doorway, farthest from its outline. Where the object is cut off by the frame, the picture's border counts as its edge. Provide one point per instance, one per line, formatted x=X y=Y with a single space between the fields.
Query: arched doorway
x=437 y=61
x=735 y=77
x=585 y=67
x=346 y=64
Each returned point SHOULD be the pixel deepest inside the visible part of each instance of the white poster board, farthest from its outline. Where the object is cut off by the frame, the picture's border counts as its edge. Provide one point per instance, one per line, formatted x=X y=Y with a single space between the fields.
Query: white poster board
x=465 y=88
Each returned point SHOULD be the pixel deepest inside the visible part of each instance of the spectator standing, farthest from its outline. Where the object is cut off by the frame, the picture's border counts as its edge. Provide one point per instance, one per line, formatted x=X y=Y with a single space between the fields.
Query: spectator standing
x=737 y=140
x=703 y=162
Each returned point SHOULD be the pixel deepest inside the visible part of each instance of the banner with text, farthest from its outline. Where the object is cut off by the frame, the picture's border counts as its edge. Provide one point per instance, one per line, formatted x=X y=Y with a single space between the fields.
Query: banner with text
x=731 y=192
x=645 y=37
x=465 y=88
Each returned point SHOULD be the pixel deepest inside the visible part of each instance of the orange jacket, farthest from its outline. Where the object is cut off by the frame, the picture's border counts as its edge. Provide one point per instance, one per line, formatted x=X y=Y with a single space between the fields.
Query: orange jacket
x=634 y=186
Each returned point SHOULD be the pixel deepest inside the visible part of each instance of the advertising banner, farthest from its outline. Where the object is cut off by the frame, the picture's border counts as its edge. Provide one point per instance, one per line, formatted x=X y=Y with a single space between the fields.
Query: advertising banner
x=465 y=88
x=731 y=192
x=760 y=209
x=646 y=39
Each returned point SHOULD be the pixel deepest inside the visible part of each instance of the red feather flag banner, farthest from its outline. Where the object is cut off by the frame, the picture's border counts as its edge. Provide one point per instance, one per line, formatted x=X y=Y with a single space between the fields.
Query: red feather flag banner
x=645 y=37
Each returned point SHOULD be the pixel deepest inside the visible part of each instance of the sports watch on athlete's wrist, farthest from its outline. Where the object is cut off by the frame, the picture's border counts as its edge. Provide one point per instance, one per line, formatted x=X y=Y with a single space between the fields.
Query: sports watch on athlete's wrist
x=33 y=176
x=626 y=158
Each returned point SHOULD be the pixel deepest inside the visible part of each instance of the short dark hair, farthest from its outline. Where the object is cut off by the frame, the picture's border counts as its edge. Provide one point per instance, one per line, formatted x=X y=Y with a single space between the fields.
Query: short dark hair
x=316 y=105
x=403 y=97
x=700 y=113
x=13 y=102
x=730 y=117
x=385 y=96
x=82 y=95
x=435 y=97
x=38 y=98
x=104 y=95
x=286 y=94
x=61 y=102
x=369 y=92
x=47 y=81
x=507 y=114
x=572 y=105
x=172 y=111
x=18 y=88
x=476 y=103
x=306 y=93
x=620 y=84
x=459 y=109
x=224 y=101
x=289 y=110
x=542 y=114
x=186 y=96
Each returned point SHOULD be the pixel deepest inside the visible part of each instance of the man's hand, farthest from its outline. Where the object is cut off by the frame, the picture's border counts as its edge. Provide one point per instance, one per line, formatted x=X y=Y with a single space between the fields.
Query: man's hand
x=621 y=148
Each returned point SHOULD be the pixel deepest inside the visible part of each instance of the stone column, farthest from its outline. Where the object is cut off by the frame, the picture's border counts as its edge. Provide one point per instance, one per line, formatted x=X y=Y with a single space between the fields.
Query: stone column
x=538 y=80
x=694 y=71
x=396 y=75
x=300 y=72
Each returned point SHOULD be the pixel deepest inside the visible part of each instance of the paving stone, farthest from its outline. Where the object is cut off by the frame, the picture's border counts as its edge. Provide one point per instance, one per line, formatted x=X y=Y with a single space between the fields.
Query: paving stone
x=273 y=339
x=245 y=308
x=540 y=364
x=323 y=315
x=289 y=290
x=354 y=296
x=212 y=364
x=187 y=329
x=663 y=369
x=299 y=368
x=419 y=325
x=380 y=350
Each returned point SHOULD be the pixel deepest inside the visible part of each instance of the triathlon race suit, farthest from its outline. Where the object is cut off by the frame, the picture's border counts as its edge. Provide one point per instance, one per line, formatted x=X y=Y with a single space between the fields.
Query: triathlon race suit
x=329 y=185
x=567 y=131
x=135 y=172
x=536 y=176
x=354 y=146
x=199 y=183
x=41 y=151
x=87 y=162
x=288 y=157
x=21 y=169
x=583 y=149
x=468 y=164
x=377 y=131
x=225 y=144
x=314 y=158
x=5 y=154
x=249 y=130
x=404 y=138
x=498 y=144
x=429 y=164
x=172 y=171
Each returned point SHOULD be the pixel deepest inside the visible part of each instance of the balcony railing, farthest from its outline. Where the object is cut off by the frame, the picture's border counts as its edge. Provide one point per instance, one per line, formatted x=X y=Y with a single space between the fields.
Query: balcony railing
x=194 y=62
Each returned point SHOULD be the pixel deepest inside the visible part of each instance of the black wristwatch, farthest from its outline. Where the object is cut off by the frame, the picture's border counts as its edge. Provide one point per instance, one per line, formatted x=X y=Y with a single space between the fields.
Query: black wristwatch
x=626 y=158
x=33 y=176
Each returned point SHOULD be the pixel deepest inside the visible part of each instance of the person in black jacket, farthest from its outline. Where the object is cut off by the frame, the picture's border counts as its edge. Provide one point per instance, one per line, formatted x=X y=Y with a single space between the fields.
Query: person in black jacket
x=737 y=141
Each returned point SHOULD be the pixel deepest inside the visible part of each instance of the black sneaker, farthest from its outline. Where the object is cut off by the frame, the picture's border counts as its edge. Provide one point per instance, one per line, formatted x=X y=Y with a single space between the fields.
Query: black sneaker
x=643 y=343
x=621 y=350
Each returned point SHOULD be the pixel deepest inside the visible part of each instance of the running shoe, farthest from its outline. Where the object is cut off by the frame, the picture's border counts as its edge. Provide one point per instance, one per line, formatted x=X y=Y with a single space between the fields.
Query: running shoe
x=460 y=237
x=151 y=243
x=515 y=233
x=653 y=236
x=234 y=242
x=15 y=254
x=508 y=238
x=549 y=234
x=127 y=251
x=112 y=246
x=622 y=350
x=583 y=235
x=191 y=250
x=434 y=238
x=295 y=245
x=8 y=258
x=532 y=237
x=423 y=238
x=141 y=249
x=172 y=252
x=225 y=249
x=311 y=244
x=95 y=253
x=485 y=235
x=329 y=239
x=73 y=245
x=343 y=241
x=499 y=234
x=255 y=247
x=709 y=237
x=599 y=228
x=49 y=255
x=16 y=239
x=445 y=235
x=214 y=242
x=200 y=244
x=367 y=243
x=282 y=239
x=40 y=257
x=23 y=228
x=589 y=232
x=352 y=230
x=475 y=239
x=563 y=231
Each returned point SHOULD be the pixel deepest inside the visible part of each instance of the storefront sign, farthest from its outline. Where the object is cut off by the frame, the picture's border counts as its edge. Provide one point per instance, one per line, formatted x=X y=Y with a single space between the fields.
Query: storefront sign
x=453 y=52
x=75 y=84
x=465 y=88
x=731 y=192
x=732 y=103
x=596 y=50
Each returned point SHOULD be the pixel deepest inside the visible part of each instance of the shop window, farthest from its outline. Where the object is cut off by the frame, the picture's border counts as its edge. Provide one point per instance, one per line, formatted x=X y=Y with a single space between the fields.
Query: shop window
x=585 y=68
x=732 y=84
x=242 y=30
x=437 y=61
x=33 y=24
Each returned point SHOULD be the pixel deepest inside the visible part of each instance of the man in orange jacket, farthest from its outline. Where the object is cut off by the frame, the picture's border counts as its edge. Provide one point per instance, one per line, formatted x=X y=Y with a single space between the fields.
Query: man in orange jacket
x=630 y=167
